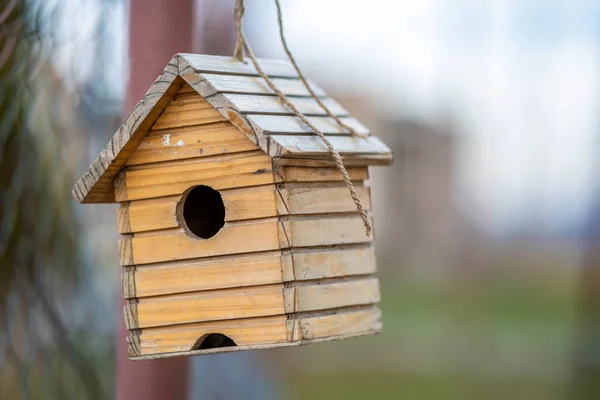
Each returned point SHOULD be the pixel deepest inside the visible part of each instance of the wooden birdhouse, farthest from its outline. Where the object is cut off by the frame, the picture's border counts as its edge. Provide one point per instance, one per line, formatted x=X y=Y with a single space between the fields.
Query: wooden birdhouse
x=237 y=230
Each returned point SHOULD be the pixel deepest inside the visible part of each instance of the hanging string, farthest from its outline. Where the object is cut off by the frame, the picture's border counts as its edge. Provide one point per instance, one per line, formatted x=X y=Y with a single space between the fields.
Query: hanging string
x=238 y=14
x=241 y=39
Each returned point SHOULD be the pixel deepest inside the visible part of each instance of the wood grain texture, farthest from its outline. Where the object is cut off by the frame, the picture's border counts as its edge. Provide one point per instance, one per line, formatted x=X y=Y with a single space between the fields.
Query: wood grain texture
x=321 y=263
x=174 y=245
x=237 y=238
x=191 y=142
x=182 y=338
x=366 y=321
x=324 y=296
x=261 y=268
x=202 y=274
x=316 y=199
x=224 y=304
x=314 y=147
x=292 y=125
x=309 y=174
x=219 y=83
x=225 y=65
x=243 y=204
x=218 y=172
x=160 y=213
x=321 y=230
x=186 y=112
x=252 y=104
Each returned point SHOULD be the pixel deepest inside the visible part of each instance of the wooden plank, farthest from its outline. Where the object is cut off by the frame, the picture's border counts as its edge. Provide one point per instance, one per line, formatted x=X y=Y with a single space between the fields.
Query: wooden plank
x=359 y=160
x=243 y=204
x=256 y=85
x=243 y=332
x=314 y=264
x=215 y=305
x=237 y=238
x=309 y=174
x=344 y=323
x=186 y=112
x=191 y=142
x=292 y=125
x=218 y=172
x=174 y=245
x=326 y=296
x=321 y=231
x=312 y=146
x=198 y=275
x=228 y=65
x=249 y=104
x=160 y=213
x=316 y=199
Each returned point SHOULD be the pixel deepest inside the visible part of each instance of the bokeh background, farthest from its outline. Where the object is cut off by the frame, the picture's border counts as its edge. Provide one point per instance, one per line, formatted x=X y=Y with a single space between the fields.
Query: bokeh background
x=487 y=225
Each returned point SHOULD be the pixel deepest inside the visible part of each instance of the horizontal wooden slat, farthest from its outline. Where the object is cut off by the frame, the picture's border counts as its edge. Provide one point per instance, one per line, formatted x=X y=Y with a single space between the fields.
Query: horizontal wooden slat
x=256 y=85
x=237 y=238
x=178 y=245
x=361 y=160
x=154 y=214
x=272 y=105
x=247 y=270
x=319 y=199
x=191 y=142
x=198 y=275
x=243 y=332
x=344 y=323
x=225 y=304
x=187 y=111
x=321 y=231
x=290 y=125
x=313 y=146
x=244 y=204
x=228 y=65
x=328 y=263
x=309 y=174
x=325 y=296
x=218 y=172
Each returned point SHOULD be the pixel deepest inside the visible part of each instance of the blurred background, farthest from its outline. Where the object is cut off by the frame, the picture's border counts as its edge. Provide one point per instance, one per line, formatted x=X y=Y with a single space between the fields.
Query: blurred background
x=487 y=225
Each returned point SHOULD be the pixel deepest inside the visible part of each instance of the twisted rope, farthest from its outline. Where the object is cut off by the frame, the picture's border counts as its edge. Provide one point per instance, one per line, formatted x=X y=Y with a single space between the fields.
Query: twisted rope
x=243 y=42
x=238 y=14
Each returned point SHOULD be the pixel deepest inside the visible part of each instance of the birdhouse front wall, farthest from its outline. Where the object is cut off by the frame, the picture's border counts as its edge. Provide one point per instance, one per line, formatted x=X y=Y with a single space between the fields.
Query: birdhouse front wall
x=289 y=264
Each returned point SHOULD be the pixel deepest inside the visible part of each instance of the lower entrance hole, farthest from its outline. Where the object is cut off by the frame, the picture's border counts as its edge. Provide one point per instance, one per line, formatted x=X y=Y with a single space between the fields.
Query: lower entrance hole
x=213 y=341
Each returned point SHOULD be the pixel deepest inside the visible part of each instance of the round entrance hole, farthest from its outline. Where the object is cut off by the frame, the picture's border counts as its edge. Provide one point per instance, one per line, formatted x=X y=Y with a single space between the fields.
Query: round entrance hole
x=201 y=212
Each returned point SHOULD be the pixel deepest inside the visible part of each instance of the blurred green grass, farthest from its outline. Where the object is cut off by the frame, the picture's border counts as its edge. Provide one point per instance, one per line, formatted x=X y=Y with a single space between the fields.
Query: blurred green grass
x=505 y=337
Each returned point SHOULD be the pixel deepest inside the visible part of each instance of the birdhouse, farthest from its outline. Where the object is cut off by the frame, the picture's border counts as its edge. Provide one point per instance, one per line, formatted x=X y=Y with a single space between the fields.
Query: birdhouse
x=237 y=230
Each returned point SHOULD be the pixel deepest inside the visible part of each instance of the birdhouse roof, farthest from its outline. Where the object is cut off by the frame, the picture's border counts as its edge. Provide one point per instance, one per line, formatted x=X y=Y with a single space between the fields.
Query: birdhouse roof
x=237 y=91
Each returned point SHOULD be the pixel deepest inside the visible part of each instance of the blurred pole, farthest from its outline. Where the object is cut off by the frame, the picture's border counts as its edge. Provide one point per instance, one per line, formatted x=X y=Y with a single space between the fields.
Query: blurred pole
x=157 y=30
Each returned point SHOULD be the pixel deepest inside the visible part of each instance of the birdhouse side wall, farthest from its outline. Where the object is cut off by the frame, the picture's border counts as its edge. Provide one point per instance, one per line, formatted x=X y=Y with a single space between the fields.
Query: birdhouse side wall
x=330 y=288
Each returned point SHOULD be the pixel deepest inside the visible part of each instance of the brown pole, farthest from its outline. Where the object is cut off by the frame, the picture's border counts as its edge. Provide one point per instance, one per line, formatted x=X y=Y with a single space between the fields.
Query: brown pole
x=157 y=30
